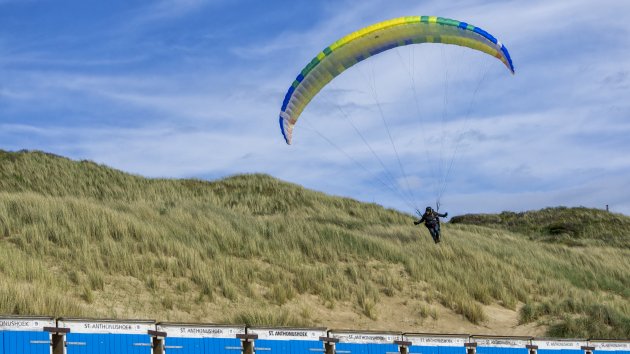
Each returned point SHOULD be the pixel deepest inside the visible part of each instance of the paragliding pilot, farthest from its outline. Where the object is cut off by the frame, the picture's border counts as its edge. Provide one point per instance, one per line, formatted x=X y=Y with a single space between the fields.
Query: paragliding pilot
x=431 y=219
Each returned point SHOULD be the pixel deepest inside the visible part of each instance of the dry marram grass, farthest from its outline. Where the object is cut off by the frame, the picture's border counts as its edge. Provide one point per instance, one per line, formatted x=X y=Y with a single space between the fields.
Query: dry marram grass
x=79 y=239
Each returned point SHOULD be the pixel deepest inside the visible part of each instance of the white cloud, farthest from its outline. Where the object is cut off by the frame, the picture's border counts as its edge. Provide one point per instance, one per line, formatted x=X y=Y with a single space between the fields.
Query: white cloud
x=543 y=137
x=164 y=10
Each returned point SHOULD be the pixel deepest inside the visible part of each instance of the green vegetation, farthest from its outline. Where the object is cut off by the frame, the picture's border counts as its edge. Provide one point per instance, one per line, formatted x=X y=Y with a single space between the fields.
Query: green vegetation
x=80 y=239
x=570 y=226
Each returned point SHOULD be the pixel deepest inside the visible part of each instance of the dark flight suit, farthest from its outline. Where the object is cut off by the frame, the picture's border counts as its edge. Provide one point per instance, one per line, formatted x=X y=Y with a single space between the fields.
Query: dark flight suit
x=432 y=222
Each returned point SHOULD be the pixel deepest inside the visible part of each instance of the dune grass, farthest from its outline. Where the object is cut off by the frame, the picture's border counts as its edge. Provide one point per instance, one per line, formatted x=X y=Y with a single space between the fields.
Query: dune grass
x=571 y=226
x=80 y=239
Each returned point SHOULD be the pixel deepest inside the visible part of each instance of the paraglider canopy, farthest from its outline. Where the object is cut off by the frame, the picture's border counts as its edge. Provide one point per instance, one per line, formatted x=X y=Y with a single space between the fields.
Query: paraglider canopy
x=372 y=40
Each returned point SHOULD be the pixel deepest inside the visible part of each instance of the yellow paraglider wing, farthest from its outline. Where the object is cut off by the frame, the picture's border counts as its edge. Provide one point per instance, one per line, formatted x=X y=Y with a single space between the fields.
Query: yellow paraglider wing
x=372 y=40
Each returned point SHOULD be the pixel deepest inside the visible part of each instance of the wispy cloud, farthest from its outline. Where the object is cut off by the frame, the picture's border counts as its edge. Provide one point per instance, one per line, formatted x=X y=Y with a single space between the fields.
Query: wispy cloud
x=164 y=10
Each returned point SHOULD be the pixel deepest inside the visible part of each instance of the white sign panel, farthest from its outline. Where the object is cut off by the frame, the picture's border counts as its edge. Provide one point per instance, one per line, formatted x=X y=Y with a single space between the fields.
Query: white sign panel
x=611 y=346
x=559 y=344
x=436 y=341
x=288 y=333
x=501 y=342
x=357 y=337
x=199 y=331
x=25 y=324
x=113 y=327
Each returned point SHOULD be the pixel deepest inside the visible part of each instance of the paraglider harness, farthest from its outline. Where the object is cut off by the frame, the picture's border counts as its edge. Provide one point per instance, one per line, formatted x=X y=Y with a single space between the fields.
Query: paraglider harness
x=431 y=219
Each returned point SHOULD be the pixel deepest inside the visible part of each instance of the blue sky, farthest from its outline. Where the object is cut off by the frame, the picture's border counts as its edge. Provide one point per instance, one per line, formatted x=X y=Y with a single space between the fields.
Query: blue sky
x=190 y=88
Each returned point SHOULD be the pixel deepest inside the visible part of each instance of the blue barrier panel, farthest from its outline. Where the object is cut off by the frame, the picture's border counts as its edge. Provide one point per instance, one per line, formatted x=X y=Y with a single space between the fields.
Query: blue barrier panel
x=182 y=338
x=288 y=347
x=25 y=335
x=501 y=345
x=366 y=348
x=501 y=350
x=355 y=342
x=288 y=340
x=436 y=343
x=222 y=346
x=416 y=349
x=183 y=345
x=610 y=346
x=27 y=342
x=452 y=350
x=94 y=343
x=560 y=351
x=560 y=346
x=107 y=336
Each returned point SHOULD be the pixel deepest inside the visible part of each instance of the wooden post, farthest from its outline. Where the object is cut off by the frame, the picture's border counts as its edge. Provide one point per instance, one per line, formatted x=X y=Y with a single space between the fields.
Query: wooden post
x=157 y=341
x=533 y=349
x=403 y=346
x=329 y=347
x=58 y=343
x=248 y=347
x=247 y=341
x=329 y=344
x=158 y=345
x=471 y=348
x=58 y=339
